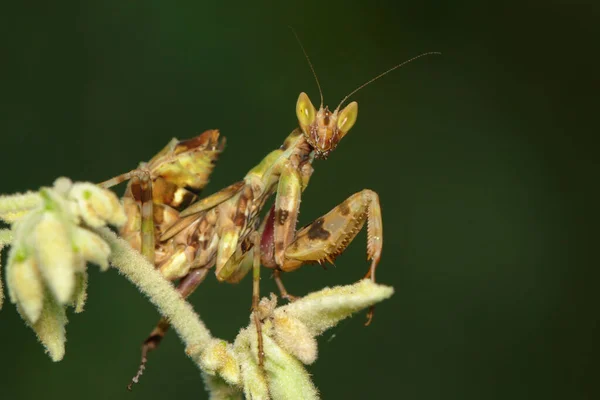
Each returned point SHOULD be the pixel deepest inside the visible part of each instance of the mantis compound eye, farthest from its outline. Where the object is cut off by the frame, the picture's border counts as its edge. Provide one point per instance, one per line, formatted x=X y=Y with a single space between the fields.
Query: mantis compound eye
x=305 y=111
x=347 y=118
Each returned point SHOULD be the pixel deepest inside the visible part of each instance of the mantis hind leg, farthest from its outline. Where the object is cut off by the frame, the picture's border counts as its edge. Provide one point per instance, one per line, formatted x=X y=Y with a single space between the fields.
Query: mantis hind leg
x=141 y=197
x=186 y=286
x=282 y=290
x=267 y=254
x=256 y=297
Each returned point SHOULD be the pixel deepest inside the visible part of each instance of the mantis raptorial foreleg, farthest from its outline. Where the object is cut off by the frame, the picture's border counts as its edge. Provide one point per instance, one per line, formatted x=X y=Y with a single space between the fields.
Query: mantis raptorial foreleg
x=329 y=235
x=287 y=204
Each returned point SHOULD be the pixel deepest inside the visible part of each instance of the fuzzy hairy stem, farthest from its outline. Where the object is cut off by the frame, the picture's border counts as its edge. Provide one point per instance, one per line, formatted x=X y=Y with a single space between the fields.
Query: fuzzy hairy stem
x=161 y=292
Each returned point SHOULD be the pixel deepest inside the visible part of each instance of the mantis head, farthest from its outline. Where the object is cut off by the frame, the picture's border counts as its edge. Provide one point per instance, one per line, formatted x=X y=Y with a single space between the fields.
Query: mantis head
x=323 y=129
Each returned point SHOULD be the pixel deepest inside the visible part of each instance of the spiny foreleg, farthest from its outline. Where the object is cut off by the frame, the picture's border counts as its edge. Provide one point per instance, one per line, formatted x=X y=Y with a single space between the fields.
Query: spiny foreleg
x=287 y=205
x=328 y=236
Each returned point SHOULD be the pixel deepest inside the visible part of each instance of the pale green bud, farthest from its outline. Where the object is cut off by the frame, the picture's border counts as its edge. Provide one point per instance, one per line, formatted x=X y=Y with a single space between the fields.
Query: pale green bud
x=287 y=377
x=55 y=254
x=253 y=380
x=50 y=329
x=25 y=285
x=219 y=358
x=321 y=310
x=91 y=247
x=97 y=206
x=295 y=338
x=219 y=389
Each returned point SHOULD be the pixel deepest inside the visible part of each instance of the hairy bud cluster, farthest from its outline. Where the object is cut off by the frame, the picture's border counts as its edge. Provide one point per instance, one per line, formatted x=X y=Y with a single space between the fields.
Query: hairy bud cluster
x=289 y=340
x=46 y=270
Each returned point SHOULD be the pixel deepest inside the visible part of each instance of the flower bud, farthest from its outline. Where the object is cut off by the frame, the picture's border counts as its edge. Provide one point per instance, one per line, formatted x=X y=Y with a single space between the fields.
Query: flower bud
x=50 y=329
x=91 y=247
x=25 y=285
x=295 y=338
x=96 y=205
x=219 y=357
x=55 y=254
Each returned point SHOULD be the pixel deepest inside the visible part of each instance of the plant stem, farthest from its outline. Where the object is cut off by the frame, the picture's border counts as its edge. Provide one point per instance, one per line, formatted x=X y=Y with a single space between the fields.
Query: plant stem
x=161 y=292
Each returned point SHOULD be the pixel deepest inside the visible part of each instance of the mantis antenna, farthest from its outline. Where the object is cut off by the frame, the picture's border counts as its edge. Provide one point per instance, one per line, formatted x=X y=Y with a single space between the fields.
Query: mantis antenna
x=310 y=64
x=385 y=73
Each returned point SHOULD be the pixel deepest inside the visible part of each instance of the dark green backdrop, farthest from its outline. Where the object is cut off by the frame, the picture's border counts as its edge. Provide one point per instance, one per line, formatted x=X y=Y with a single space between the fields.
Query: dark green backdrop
x=482 y=157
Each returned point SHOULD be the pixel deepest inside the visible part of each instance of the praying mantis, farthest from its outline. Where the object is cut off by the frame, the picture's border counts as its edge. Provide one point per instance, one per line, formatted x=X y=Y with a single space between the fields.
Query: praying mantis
x=185 y=235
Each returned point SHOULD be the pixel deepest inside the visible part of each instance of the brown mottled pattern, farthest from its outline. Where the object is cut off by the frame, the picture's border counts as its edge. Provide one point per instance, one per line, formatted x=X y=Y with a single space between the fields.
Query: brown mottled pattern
x=187 y=164
x=246 y=245
x=278 y=246
x=207 y=140
x=282 y=216
x=289 y=140
x=146 y=194
x=162 y=191
x=136 y=189
x=171 y=179
x=343 y=208
x=266 y=242
x=317 y=232
x=242 y=212
x=159 y=214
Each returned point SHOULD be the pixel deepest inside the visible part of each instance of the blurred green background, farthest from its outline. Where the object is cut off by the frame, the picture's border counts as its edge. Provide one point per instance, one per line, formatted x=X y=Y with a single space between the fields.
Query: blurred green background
x=485 y=160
